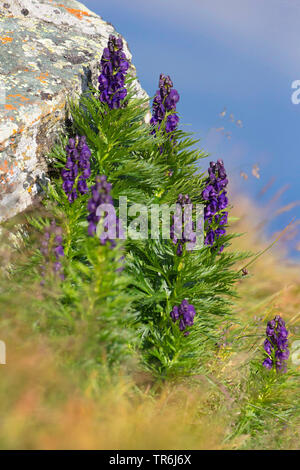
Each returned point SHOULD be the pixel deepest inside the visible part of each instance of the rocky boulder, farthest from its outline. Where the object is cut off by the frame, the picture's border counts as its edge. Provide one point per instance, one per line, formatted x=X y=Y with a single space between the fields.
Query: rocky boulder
x=48 y=51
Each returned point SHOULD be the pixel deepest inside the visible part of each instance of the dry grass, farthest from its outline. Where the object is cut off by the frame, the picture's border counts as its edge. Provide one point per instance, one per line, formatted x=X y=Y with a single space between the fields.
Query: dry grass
x=45 y=405
x=274 y=280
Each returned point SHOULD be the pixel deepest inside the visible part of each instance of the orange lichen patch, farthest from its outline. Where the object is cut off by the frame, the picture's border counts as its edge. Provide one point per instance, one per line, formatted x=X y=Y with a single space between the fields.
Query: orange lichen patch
x=6 y=187
x=17 y=95
x=73 y=11
x=18 y=100
x=9 y=107
x=6 y=169
x=5 y=39
x=45 y=111
x=43 y=77
x=21 y=129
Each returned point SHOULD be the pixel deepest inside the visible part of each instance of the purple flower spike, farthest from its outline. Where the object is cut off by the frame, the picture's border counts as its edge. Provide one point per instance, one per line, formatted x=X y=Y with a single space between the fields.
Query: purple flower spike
x=77 y=169
x=185 y=313
x=268 y=363
x=52 y=250
x=276 y=345
x=268 y=346
x=101 y=195
x=175 y=314
x=165 y=100
x=182 y=200
x=216 y=201
x=114 y=67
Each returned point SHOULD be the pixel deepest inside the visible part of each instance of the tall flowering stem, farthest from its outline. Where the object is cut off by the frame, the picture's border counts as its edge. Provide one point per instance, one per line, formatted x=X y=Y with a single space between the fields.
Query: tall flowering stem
x=185 y=313
x=52 y=250
x=77 y=169
x=215 y=197
x=114 y=66
x=181 y=219
x=101 y=195
x=276 y=345
x=165 y=100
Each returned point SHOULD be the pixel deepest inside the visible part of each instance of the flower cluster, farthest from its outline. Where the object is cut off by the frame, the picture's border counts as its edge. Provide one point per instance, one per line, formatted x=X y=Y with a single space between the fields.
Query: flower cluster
x=185 y=313
x=215 y=195
x=276 y=345
x=184 y=224
x=165 y=101
x=114 y=66
x=52 y=249
x=101 y=195
x=77 y=169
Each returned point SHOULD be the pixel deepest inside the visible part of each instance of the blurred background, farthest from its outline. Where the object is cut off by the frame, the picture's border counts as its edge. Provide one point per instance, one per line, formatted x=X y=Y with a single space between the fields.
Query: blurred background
x=233 y=63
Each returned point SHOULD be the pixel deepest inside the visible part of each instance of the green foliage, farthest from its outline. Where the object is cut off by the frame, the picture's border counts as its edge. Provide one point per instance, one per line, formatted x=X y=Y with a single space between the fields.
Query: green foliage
x=264 y=410
x=163 y=280
x=114 y=305
x=268 y=407
x=130 y=310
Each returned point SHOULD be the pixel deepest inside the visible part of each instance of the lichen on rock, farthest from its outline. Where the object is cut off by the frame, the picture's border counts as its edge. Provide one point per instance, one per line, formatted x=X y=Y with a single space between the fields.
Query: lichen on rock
x=48 y=51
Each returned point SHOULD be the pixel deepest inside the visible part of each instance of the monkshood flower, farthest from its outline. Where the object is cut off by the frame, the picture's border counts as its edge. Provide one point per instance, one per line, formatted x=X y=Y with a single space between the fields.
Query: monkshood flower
x=276 y=345
x=179 y=214
x=114 y=66
x=77 y=169
x=185 y=313
x=52 y=250
x=215 y=197
x=165 y=100
x=101 y=195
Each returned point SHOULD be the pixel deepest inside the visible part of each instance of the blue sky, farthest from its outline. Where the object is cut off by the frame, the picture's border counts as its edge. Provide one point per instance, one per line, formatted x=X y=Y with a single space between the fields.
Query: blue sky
x=239 y=54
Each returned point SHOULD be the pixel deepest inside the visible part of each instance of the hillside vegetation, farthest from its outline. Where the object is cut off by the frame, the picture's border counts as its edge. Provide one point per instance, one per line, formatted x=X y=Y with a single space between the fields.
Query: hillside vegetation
x=140 y=342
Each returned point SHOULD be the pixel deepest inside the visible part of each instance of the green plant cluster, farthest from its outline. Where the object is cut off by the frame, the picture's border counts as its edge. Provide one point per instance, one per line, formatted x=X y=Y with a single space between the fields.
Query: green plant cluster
x=127 y=310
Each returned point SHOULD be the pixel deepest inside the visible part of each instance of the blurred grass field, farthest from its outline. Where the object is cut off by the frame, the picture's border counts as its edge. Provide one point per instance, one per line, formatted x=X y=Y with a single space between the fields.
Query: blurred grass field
x=47 y=402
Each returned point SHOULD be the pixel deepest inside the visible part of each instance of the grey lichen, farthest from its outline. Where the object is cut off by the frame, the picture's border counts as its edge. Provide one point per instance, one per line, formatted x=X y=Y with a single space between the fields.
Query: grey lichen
x=49 y=51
